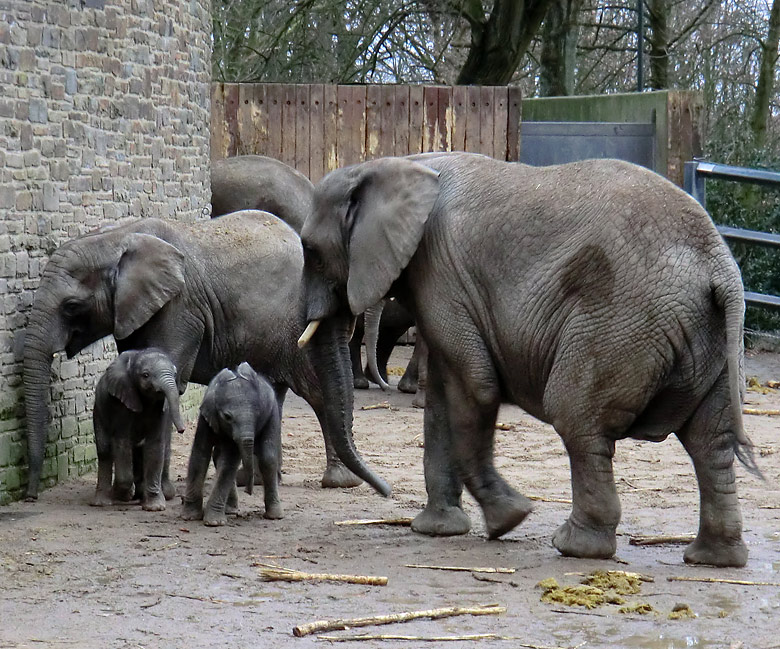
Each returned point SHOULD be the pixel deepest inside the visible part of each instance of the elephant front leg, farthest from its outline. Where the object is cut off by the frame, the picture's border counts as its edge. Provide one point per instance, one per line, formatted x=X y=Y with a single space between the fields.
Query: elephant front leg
x=228 y=461
x=269 y=459
x=197 y=468
x=102 y=495
x=710 y=440
x=122 y=449
x=590 y=530
x=154 y=460
x=443 y=514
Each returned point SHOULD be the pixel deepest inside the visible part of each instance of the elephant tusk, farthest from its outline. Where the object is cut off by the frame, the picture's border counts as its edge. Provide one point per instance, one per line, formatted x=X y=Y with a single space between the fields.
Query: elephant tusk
x=308 y=333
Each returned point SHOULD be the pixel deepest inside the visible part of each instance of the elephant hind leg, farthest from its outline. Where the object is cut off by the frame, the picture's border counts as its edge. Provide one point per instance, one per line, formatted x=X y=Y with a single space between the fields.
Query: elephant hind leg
x=710 y=439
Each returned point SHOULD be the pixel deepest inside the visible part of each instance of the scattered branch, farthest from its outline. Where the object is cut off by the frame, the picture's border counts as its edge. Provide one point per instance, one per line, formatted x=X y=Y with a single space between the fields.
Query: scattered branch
x=270 y=572
x=715 y=580
x=503 y=571
x=404 y=520
x=434 y=614
x=683 y=539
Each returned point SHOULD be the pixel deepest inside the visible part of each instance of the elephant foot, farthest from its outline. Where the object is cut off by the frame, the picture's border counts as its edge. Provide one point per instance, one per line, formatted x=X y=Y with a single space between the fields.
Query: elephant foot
x=339 y=476
x=407 y=384
x=122 y=494
x=192 y=511
x=441 y=521
x=360 y=383
x=214 y=519
x=719 y=554
x=575 y=540
x=154 y=503
x=274 y=511
x=168 y=489
x=505 y=513
x=419 y=399
x=101 y=500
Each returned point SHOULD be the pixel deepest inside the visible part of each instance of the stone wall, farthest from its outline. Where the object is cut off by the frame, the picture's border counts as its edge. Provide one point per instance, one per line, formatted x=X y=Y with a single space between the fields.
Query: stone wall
x=104 y=116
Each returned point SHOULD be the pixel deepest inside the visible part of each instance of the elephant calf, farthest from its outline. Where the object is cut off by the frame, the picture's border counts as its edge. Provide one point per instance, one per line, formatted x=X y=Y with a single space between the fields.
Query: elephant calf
x=134 y=402
x=239 y=420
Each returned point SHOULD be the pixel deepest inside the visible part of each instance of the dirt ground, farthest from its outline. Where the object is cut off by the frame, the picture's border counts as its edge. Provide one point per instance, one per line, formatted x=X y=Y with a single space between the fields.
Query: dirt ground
x=76 y=576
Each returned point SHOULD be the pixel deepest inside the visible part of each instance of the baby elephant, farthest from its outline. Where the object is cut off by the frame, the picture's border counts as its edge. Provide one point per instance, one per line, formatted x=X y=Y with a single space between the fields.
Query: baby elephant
x=135 y=401
x=239 y=418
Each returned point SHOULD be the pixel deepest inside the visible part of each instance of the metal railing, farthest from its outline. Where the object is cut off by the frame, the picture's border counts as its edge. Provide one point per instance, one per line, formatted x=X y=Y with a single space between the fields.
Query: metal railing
x=697 y=172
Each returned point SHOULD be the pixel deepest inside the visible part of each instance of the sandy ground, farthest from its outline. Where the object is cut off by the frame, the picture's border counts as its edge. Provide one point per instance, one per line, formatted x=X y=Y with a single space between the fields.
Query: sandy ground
x=76 y=576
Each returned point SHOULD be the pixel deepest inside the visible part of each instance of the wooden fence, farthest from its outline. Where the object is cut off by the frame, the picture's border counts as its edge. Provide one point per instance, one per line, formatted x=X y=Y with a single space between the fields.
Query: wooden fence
x=317 y=128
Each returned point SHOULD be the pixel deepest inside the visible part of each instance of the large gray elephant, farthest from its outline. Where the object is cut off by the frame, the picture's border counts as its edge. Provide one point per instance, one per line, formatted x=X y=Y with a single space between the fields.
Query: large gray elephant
x=211 y=294
x=596 y=295
x=239 y=422
x=257 y=182
x=132 y=430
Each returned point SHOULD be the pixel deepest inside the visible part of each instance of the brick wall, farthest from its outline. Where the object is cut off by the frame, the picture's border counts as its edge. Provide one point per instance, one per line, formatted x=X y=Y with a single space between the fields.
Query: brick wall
x=104 y=114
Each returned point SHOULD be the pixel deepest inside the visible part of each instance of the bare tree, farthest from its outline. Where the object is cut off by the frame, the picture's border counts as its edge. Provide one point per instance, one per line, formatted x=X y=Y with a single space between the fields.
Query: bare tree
x=558 y=59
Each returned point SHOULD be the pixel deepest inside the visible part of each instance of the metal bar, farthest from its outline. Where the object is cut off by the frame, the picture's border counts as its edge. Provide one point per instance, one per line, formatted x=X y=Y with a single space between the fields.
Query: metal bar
x=759 y=299
x=750 y=236
x=739 y=174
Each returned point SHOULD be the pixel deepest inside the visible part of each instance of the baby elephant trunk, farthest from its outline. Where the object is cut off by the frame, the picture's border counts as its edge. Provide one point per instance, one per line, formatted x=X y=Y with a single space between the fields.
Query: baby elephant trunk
x=247 y=457
x=171 y=391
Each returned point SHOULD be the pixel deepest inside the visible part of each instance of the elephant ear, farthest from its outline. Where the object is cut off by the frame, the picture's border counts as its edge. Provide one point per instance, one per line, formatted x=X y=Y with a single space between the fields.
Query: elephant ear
x=208 y=407
x=389 y=206
x=245 y=371
x=149 y=274
x=119 y=383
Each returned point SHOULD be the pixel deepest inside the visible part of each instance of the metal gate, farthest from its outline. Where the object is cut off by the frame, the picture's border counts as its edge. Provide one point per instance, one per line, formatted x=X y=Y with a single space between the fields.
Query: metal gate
x=547 y=143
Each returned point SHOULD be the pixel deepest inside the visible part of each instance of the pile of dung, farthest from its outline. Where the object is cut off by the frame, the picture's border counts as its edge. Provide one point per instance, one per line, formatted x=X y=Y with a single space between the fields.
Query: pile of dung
x=681 y=611
x=597 y=588
x=622 y=583
x=587 y=596
x=643 y=608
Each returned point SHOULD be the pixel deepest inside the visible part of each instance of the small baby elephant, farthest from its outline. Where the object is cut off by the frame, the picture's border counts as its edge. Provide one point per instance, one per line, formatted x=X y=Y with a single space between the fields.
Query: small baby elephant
x=239 y=419
x=135 y=401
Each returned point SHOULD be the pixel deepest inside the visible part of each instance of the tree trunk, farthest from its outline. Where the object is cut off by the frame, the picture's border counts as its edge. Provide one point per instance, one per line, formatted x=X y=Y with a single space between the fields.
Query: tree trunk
x=658 y=21
x=559 y=48
x=766 y=77
x=499 y=43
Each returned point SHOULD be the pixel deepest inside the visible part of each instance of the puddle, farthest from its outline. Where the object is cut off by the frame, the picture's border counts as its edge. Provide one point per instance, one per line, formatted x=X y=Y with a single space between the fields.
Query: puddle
x=665 y=641
x=16 y=516
x=723 y=603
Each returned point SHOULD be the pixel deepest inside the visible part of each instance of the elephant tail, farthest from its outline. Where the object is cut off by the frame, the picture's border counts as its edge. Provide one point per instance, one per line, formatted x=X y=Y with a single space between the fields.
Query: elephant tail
x=729 y=296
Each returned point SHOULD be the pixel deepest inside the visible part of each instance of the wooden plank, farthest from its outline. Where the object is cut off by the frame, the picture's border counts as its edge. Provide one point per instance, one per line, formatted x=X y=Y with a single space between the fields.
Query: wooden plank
x=344 y=127
x=330 y=126
x=514 y=114
x=401 y=120
x=231 y=118
x=460 y=100
x=472 y=121
x=218 y=122
x=416 y=118
x=444 y=120
x=431 y=115
x=373 y=121
x=358 y=100
x=499 y=123
x=246 y=134
x=387 y=111
x=288 y=124
x=302 y=135
x=274 y=99
x=316 y=132
x=486 y=120
x=260 y=119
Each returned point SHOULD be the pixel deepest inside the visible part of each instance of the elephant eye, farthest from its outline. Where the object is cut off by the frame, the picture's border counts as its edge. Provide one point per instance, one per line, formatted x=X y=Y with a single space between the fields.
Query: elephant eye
x=146 y=375
x=72 y=308
x=227 y=416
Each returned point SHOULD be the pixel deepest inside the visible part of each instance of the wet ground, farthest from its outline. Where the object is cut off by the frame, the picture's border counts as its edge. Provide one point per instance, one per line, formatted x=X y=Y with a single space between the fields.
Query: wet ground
x=76 y=576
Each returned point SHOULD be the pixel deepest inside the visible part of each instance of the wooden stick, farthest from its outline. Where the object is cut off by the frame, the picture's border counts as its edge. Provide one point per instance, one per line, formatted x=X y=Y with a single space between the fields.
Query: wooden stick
x=445 y=638
x=683 y=539
x=407 y=520
x=384 y=405
x=276 y=573
x=503 y=571
x=434 y=614
x=760 y=411
x=544 y=499
x=715 y=580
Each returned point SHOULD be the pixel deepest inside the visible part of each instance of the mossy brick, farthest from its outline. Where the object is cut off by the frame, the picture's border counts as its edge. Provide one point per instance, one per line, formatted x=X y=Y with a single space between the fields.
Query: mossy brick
x=62 y=467
x=11 y=478
x=5 y=450
x=90 y=453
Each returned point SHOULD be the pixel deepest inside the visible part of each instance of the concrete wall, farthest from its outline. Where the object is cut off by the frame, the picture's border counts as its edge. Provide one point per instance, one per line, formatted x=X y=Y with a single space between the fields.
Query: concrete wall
x=104 y=116
x=677 y=116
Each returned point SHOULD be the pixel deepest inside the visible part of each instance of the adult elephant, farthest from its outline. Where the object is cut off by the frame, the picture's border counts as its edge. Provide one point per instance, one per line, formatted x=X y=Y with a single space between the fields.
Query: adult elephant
x=210 y=294
x=257 y=182
x=596 y=295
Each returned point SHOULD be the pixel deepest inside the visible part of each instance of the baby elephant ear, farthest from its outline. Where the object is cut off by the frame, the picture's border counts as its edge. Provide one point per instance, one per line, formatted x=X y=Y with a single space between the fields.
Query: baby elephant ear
x=389 y=207
x=120 y=384
x=149 y=274
x=245 y=371
x=209 y=406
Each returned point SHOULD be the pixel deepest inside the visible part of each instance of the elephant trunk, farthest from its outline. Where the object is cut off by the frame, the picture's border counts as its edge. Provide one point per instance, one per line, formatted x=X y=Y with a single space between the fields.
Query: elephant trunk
x=372 y=317
x=171 y=390
x=330 y=355
x=40 y=342
x=247 y=447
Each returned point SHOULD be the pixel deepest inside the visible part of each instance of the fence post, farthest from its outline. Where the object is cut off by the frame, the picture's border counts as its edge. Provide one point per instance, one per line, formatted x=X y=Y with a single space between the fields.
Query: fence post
x=693 y=183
